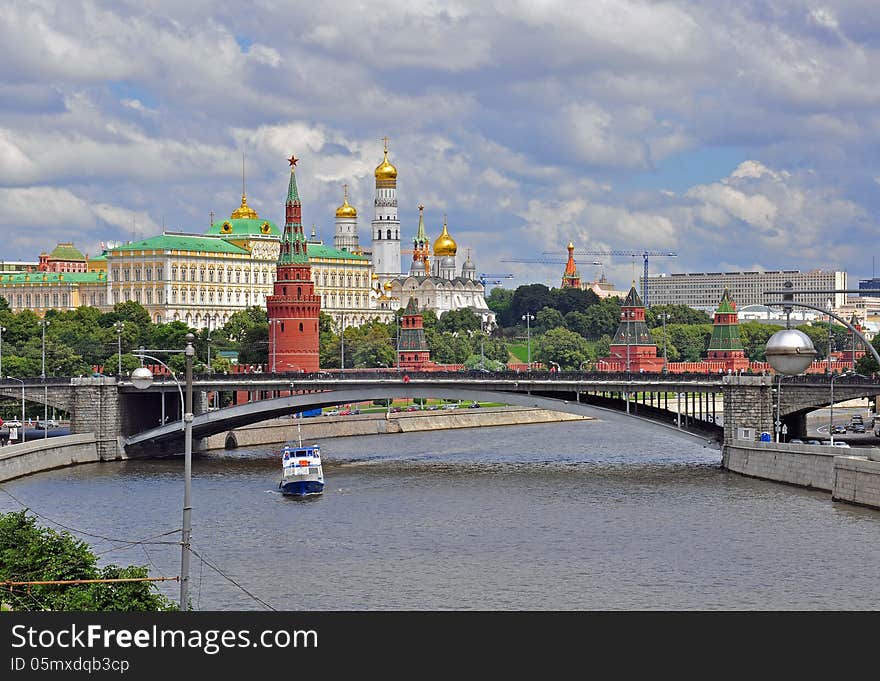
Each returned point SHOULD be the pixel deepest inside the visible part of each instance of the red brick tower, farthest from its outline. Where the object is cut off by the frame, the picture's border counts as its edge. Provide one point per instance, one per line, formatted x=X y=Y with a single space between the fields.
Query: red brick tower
x=632 y=348
x=412 y=351
x=293 y=308
x=725 y=345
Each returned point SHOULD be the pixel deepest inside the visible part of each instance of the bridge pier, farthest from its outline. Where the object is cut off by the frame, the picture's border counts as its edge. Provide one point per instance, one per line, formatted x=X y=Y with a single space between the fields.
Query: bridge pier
x=95 y=409
x=748 y=403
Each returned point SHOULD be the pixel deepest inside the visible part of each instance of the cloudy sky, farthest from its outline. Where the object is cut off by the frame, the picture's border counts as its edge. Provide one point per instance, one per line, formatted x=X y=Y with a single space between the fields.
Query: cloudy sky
x=740 y=135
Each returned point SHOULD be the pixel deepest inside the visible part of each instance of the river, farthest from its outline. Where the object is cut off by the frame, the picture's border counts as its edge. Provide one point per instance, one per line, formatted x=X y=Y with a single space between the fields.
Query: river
x=610 y=514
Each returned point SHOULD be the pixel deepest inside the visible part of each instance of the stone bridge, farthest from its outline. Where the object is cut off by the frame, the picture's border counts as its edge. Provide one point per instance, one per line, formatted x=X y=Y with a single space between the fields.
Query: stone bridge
x=123 y=417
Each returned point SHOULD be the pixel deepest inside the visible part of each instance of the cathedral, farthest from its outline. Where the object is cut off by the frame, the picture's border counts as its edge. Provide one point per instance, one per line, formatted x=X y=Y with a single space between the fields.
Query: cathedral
x=433 y=279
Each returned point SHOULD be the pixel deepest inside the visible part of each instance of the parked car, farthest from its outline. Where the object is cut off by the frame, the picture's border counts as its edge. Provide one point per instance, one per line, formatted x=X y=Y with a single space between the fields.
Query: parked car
x=856 y=418
x=474 y=405
x=332 y=412
x=434 y=407
x=450 y=406
x=395 y=409
x=838 y=429
x=345 y=412
x=46 y=425
x=14 y=423
x=795 y=442
x=812 y=442
x=839 y=443
x=858 y=428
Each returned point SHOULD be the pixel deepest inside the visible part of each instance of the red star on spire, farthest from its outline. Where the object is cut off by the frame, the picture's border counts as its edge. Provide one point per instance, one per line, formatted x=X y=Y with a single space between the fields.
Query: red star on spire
x=292 y=160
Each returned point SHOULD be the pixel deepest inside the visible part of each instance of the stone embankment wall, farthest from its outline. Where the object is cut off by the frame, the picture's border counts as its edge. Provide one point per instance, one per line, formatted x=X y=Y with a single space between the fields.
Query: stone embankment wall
x=281 y=430
x=850 y=477
x=45 y=454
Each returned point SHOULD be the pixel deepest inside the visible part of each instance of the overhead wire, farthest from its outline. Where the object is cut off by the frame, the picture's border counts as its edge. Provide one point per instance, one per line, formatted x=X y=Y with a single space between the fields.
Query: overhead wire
x=230 y=579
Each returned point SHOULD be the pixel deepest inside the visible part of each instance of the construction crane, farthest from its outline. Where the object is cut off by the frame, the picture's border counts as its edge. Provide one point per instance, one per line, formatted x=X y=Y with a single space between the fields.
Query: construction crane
x=645 y=255
x=494 y=279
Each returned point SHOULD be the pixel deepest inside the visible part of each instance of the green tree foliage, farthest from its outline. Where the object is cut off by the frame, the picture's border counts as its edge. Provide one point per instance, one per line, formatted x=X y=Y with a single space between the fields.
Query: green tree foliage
x=672 y=353
x=754 y=337
x=548 y=318
x=566 y=348
x=29 y=552
x=567 y=300
x=867 y=365
x=690 y=340
x=603 y=346
x=458 y=320
x=499 y=301
x=678 y=314
x=527 y=299
x=603 y=318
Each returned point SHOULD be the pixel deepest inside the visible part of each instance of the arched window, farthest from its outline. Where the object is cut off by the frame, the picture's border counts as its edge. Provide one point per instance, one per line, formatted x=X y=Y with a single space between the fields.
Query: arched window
x=389 y=233
x=300 y=327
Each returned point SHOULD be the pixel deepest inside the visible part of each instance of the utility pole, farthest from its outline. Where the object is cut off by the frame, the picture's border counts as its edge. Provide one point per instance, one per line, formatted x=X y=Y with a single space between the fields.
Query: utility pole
x=187 y=475
x=342 y=342
x=2 y=329
x=119 y=326
x=527 y=318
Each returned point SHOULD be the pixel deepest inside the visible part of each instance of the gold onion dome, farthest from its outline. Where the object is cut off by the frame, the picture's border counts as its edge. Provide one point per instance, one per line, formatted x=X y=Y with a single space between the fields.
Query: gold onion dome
x=386 y=171
x=445 y=244
x=346 y=210
x=244 y=211
x=387 y=285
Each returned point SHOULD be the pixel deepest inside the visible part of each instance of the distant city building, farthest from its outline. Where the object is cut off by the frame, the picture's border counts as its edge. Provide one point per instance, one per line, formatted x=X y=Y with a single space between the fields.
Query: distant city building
x=43 y=291
x=869 y=284
x=775 y=315
x=63 y=258
x=343 y=281
x=603 y=288
x=702 y=290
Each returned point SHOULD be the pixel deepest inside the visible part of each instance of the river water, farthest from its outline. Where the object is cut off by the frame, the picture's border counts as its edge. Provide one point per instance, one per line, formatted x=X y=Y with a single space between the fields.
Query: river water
x=609 y=514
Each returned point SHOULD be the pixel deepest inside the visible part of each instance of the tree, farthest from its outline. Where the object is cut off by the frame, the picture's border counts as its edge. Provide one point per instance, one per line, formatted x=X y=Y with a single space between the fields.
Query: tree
x=678 y=314
x=549 y=318
x=499 y=301
x=573 y=299
x=462 y=320
x=754 y=337
x=603 y=346
x=566 y=348
x=29 y=552
x=527 y=299
x=690 y=340
x=603 y=318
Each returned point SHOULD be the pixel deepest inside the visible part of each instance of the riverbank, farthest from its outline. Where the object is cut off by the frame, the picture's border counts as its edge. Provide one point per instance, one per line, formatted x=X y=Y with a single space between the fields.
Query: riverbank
x=279 y=431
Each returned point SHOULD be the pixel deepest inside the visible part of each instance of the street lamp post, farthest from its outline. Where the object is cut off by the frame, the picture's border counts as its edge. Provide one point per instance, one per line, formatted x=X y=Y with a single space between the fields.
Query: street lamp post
x=829 y=337
x=664 y=315
x=11 y=378
x=142 y=378
x=342 y=343
x=527 y=318
x=274 y=323
x=119 y=326
x=2 y=329
x=44 y=323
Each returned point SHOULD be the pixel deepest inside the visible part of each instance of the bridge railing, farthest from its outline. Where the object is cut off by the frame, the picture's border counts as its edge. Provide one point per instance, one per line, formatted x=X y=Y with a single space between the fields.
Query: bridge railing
x=470 y=375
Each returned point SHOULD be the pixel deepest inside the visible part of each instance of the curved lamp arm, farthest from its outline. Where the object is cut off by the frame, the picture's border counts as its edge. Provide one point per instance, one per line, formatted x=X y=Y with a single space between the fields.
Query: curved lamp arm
x=171 y=373
x=840 y=319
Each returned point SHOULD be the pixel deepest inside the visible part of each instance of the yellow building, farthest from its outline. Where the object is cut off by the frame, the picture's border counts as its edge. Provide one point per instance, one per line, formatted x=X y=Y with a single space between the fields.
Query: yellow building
x=42 y=291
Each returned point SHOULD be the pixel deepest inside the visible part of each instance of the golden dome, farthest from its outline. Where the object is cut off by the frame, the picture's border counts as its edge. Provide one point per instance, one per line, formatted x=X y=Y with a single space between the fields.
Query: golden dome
x=374 y=276
x=346 y=210
x=445 y=244
x=244 y=211
x=385 y=171
x=387 y=286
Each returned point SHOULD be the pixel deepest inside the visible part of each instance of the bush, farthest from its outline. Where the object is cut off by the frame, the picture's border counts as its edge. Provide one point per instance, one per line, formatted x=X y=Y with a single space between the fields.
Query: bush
x=29 y=552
